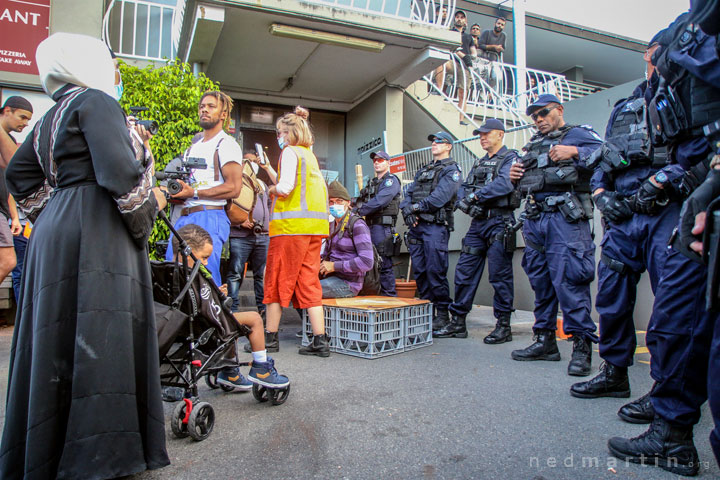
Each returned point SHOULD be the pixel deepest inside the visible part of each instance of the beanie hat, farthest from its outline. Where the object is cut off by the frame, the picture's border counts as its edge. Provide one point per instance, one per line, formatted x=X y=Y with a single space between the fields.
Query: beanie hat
x=336 y=190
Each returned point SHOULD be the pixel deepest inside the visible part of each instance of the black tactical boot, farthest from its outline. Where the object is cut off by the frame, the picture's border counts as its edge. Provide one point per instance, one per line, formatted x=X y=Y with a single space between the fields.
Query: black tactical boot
x=581 y=360
x=502 y=332
x=668 y=447
x=544 y=348
x=272 y=344
x=638 y=411
x=456 y=328
x=612 y=381
x=442 y=318
x=319 y=346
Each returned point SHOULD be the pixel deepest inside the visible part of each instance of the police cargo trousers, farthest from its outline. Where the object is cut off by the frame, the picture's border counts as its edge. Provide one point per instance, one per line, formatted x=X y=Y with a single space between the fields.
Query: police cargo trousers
x=679 y=338
x=559 y=260
x=428 y=247
x=378 y=235
x=628 y=249
x=480 y=243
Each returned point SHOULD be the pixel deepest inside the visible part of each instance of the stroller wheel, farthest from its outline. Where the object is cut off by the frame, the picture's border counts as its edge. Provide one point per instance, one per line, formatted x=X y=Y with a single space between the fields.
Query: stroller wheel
x=179 y=429
x=201 y=421
x=260 y=393
x=211 y=380
x=279 y=395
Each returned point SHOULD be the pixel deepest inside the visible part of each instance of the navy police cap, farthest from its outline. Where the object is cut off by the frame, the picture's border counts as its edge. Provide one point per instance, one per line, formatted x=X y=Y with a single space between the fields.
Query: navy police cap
x=544 y=99
x=442 y=137
x=489 y=125
x=380 y=154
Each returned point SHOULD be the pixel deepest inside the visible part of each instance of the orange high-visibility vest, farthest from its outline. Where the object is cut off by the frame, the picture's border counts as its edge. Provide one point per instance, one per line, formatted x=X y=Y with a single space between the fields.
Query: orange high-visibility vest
x=305 y=210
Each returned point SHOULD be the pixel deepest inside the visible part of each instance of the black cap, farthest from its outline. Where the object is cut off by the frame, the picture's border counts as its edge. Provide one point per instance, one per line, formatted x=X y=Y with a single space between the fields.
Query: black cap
x=444 y=137
x=461 y=12
x=380 y=154
x=490 y=125
x=541 y=101
x=18 y=102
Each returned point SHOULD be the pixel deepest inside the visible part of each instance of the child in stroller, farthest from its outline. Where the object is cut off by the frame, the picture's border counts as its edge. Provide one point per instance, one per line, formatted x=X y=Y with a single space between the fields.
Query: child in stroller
x=262 y=370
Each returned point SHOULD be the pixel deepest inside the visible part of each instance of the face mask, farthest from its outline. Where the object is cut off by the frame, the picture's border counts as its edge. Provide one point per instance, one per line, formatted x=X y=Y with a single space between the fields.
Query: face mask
x=337 y=211
x=118 y=91
x=281 y=142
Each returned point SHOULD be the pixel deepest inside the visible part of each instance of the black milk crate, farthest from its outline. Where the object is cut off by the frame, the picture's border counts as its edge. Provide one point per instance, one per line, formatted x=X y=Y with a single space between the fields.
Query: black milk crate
x=374 y=327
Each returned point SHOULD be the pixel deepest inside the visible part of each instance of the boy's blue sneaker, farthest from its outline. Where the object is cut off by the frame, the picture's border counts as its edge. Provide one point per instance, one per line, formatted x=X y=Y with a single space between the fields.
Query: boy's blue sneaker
x=264 y=373
x=232 y=377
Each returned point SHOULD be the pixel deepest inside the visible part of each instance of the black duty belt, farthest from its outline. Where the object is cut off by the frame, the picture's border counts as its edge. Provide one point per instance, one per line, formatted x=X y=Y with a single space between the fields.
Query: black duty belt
x=382 y=220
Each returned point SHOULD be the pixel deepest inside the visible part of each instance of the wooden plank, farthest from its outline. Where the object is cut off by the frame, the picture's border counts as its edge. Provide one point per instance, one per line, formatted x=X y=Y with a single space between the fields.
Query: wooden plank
x=372 y=303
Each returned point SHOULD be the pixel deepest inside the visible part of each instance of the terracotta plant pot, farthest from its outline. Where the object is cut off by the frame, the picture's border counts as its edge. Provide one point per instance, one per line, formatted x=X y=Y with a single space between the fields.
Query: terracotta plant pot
x=405 y=289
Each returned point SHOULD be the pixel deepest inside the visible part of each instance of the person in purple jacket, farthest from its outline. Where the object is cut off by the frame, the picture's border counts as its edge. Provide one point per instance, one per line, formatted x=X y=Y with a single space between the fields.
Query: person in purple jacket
x=349 y=250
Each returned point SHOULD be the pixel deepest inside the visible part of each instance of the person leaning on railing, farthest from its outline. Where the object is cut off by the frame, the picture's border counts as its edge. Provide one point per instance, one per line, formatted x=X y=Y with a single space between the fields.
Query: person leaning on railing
x=298 y=223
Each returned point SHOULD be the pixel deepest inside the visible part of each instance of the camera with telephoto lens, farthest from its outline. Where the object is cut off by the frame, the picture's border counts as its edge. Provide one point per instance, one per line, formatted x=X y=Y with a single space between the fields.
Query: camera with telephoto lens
x=182 y=171
x=150 y=125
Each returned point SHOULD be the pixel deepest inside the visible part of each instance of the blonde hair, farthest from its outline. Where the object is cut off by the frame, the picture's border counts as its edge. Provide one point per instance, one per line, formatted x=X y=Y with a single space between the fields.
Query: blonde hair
x=225 y=101
x=298 y=127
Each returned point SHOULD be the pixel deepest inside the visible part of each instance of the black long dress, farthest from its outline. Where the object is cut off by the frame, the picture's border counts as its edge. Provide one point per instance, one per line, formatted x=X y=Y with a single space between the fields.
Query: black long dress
x=83 y=397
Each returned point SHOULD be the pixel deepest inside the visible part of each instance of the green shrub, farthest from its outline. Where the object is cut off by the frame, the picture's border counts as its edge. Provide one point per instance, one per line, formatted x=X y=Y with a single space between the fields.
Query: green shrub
x=171 y=94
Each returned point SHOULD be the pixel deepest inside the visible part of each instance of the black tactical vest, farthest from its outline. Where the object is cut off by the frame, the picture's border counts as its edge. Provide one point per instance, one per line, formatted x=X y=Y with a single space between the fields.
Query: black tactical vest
x=683 y=103
x=484 y=171
x=544 y=175
x=391 y=209
x=630 y=138
x=426 y=180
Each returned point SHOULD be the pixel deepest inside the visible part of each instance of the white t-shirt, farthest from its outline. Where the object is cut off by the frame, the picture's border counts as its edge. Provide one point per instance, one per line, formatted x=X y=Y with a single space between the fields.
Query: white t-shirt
x=201 y=179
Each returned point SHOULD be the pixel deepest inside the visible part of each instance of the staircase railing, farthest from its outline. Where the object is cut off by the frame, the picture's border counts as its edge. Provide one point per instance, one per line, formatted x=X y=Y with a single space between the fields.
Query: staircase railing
x=490 y=89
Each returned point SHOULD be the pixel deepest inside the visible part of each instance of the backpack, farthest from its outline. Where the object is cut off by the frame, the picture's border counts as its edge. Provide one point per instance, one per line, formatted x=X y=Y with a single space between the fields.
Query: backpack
x=240 y=208
x=371 y=282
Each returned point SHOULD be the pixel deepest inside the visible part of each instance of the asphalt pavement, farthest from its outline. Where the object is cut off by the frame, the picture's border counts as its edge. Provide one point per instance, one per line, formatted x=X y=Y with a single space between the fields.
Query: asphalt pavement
x=455 y=409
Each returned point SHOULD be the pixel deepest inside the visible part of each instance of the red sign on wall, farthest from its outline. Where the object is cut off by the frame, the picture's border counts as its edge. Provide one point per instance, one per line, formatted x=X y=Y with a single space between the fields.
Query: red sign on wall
x=397 y=164
x=23 y=25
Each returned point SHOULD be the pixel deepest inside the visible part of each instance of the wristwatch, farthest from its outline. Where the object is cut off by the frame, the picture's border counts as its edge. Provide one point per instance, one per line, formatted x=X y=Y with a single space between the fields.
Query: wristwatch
x=195 y=195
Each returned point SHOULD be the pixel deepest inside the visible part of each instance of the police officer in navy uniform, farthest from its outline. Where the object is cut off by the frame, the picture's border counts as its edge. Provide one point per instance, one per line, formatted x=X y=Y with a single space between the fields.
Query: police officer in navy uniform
x=489 y=197
x=559 y=257
x=633 y=240
x=428 y=212
x=680 y=331
x=380 y=205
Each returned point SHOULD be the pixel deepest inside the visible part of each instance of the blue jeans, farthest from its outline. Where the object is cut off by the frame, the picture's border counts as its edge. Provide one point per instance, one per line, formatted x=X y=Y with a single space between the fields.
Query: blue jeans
x=20 y=246
x=252 y=250
x=216 y=223
x=334 y=287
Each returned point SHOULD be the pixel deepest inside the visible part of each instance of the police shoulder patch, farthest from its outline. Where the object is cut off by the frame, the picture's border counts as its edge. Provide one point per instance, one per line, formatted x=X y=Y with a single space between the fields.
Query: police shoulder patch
x=592 y=132
x=388 y=182
x=456 y=176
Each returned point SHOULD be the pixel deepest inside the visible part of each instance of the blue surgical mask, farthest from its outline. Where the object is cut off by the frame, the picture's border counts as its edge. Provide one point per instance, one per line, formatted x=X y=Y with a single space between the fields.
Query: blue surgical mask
x=118 y=91
x=337 y=211
x=281 y=142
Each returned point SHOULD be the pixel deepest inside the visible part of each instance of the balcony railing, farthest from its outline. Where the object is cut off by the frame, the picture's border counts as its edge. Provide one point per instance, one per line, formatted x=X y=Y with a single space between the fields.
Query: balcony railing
x=438 y=13
x=143 y=30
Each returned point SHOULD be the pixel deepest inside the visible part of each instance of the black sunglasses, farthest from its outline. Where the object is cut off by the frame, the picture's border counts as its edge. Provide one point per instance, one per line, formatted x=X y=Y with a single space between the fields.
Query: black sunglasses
x=542 y=113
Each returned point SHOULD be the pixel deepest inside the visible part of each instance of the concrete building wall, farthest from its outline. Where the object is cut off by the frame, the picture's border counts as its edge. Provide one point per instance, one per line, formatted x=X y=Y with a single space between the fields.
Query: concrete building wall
x=375 y=124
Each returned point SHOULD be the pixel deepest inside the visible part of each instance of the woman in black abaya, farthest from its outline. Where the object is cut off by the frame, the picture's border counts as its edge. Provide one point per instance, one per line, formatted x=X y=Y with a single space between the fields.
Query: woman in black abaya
x=83 y=396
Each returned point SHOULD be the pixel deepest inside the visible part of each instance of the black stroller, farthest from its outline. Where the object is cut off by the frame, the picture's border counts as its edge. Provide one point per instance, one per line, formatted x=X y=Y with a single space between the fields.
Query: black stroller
x=196 y=332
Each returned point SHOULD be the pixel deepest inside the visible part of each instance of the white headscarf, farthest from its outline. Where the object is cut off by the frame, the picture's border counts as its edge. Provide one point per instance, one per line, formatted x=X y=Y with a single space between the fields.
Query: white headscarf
x=85 y=61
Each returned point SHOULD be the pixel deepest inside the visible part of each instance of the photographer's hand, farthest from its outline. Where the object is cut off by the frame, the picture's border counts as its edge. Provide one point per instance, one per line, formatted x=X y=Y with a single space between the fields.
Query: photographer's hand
x=247 y=224
x=186 y=192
